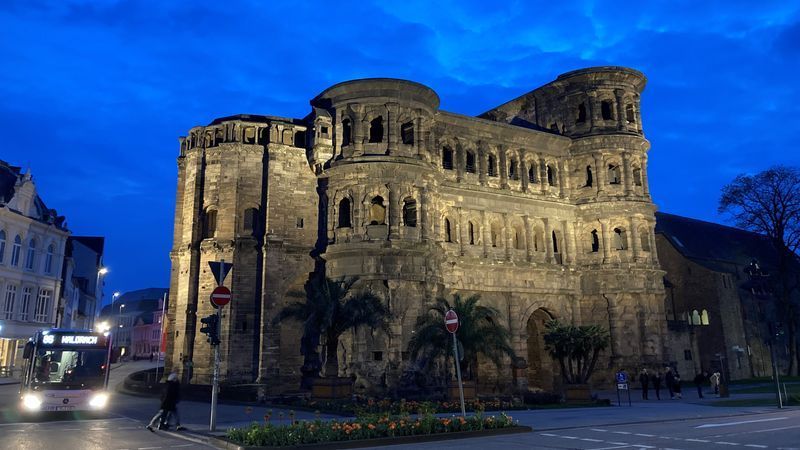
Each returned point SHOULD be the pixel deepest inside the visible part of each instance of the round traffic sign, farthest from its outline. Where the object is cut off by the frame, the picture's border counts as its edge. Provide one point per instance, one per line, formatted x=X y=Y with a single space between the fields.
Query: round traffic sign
x=220 y=296
x=451 y=321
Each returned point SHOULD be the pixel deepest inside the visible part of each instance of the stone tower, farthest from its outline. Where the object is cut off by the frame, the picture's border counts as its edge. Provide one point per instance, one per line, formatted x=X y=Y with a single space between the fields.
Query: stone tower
x=540 y=205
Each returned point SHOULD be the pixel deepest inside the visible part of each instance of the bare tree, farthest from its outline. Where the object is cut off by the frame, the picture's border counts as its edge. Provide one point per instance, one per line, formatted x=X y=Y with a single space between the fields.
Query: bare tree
x=769 y=203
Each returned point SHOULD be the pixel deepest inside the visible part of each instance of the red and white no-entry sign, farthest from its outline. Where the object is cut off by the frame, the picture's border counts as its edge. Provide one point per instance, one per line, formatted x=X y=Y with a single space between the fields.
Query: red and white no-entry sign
x=220 y=296
x=451 y=321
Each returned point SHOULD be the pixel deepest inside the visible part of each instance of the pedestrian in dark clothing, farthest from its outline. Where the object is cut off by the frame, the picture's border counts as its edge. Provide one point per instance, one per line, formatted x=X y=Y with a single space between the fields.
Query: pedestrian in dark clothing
x=151 y=357
x=676 y=385
x=669 y=378
x=655 y=379
x=699 y=380
x=170 y=396
x=644 y=378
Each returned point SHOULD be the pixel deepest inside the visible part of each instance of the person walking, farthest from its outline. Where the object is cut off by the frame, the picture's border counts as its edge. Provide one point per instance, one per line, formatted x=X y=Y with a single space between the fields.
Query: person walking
x=669 y=378
x=714 y=379
x=676 y=385
x=655 y=379
x=644 y=378
x=699 y=380
x=170 y=396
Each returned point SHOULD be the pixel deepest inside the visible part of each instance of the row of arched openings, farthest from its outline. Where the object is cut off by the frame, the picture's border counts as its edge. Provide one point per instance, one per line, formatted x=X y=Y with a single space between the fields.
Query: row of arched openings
x=30 y=259
x=376 y=131
x=377 y=212
x=470 y=166
x=495 y=233
x=606 y=112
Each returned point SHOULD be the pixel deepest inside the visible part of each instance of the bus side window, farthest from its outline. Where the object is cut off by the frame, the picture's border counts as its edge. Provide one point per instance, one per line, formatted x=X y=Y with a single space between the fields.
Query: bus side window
x=28 y=352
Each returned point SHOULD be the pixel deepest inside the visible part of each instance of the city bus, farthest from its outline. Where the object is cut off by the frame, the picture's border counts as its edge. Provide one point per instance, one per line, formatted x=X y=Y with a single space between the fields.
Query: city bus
x=66 y=370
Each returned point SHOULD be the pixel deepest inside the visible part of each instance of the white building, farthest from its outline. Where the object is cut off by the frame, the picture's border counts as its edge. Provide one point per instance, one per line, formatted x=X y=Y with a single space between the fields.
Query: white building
x=82 y=282
x=32 y=243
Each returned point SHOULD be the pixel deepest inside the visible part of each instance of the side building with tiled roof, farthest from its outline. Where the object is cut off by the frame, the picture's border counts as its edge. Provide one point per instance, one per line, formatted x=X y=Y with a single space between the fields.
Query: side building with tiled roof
x=718 y=314
x=125 y=312
x=32 y=245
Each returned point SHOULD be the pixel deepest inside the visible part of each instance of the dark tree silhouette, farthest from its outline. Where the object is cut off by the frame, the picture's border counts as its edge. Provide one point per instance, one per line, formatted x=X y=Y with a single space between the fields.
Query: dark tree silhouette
x=768 y=203
x=576 y=349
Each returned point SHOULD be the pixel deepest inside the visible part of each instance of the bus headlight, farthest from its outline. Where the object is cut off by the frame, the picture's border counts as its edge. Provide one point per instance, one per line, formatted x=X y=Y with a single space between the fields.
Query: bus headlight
x=99 y=400
x=32 y=402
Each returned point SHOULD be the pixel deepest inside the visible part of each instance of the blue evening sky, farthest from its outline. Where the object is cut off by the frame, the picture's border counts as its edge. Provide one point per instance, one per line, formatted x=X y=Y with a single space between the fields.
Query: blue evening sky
x=94 y=93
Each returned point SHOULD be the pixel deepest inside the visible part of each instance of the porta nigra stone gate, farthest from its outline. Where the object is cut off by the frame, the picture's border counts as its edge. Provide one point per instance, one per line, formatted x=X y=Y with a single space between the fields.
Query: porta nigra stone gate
x=540 y=205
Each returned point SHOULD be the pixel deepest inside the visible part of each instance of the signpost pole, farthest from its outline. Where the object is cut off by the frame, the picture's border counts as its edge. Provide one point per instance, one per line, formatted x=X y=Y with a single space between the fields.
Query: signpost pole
x=458 y=373
x=215 y=382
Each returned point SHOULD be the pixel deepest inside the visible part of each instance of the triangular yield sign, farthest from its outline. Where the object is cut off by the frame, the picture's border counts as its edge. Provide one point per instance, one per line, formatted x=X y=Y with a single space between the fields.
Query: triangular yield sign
x=220 y=270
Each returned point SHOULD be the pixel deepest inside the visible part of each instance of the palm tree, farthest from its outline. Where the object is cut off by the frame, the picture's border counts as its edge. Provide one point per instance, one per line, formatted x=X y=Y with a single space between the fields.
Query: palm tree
x=331 y=309
x=576 y=348
x=479 y=332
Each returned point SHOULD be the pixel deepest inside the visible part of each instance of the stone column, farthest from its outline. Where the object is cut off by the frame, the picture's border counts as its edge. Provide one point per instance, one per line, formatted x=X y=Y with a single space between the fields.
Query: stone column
x=645 y=182
x=594 y=112
x=419 y=146
x=523 y=173
x=394 y=211
x=503 y=163
x=424 y=213
x=390 y=127
x=619 y=93
x=651 y=229
x=614 y=328
x=459 y=162
x=487 y=234
x=636 y=243
x=507 y=237
x=528 y=239
x=626 y=172
x=547 y=241
x=600 y=172
x=357 y=131
x=482 y=162
x=543 y=175
x=606 y=241
x=571 y=249
x=460 y=229
x=637 y=113
x=562 y=178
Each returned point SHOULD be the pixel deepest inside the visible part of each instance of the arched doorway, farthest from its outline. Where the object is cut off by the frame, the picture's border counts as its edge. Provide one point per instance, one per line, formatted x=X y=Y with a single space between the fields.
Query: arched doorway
x=542 y=371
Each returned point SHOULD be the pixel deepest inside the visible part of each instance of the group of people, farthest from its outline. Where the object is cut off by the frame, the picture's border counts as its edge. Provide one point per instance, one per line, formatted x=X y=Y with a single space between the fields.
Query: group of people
x=672 y=379
x=170 y=396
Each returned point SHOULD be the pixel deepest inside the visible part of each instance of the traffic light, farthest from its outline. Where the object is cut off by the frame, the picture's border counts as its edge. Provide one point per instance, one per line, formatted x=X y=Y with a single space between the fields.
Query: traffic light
x=211 y=328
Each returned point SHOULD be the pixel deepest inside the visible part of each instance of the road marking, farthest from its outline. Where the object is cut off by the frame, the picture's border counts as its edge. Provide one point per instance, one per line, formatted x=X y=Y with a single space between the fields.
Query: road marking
x=622 y=432
x=568 y=437
x=591 y=440
x=182 y=445
x=148 y=448
x=728 y=424
x=611 y=448
x=645 y=435
x=598 y=429
x=696 y=440
x=619 y=443
x=549 y=435
x=726 y=443
x=755 y=445
x=774 y=429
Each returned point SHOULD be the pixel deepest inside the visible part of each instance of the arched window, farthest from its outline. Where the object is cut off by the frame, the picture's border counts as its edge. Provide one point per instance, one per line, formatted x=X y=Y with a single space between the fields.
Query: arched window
x=407 y=133
x=620 y=239
x=512 y=169
x=410 y=212
x=519 y=241
x=471 y=228
x=377 y=212
x=532 y=174
x=210 y=224
x=448 y=233
x=589 y=178
x=29 y=261
x=491 y=169
x=630 y=117
x=447 y=158
x=376 y=130
x=495 y=232
x=470 y=167
x=595 y=242
x=614 y=176
x=344 y=213
x=48 y=260
x=16 y=249
x=2 y=245
x=606 y=109
x=581 y=116
x=250 y=222
x=637 y=176
x=347 y=132
x=555 y=242
x=538 y=239
x=694 y=319
x=704 y=317
x=299 y=138
x=551 y=176
x=644 y=238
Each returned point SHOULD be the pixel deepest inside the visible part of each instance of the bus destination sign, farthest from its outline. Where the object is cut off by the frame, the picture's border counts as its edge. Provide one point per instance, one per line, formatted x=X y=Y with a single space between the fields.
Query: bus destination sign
x=73 y=339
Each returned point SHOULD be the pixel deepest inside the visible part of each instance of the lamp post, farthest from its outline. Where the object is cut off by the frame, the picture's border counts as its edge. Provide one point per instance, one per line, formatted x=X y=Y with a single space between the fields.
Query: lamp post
x=119 y=322
x=98 y=294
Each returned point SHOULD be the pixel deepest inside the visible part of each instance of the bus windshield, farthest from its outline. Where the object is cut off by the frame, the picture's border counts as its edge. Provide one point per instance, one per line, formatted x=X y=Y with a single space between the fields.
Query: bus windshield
x=70 y=369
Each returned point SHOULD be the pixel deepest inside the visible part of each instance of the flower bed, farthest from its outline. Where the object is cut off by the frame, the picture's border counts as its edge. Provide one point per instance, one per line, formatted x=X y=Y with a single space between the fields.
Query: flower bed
x=319 y=432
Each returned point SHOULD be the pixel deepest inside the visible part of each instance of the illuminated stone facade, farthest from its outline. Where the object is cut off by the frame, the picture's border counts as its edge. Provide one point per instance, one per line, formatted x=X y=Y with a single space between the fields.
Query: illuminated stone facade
x=540 y=205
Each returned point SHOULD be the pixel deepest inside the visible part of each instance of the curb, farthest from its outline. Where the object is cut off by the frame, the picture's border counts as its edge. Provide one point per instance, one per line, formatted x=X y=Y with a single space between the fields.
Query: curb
x=223 y=443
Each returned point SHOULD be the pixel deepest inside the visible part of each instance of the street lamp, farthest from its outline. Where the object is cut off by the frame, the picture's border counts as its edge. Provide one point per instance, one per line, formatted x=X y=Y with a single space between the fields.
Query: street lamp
x=119 y=322
x=101 y=271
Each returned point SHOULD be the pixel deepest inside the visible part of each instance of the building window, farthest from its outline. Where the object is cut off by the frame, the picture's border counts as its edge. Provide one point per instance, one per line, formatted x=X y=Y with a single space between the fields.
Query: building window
x=300 y=138
x=595 y=242
x=532 y=174
x=377 y=212
x=495 y=233
x=704 y=317
x=620 y=239
x=42 y=306
x=644 y=236
x=447 y=158
x=519 y=242
x=377 y=356
x=491 y=169
x=2 y=245
x=471 y=234
x=48 y=260
x=589 y=178
x=344 y=213
x=210 y=224
x=551 y=176
x=299 y=222
x=606 y=110
x=512 y=169
x=470 y=162
x=581 y=116
x=694 y=319
x=11 y=297
x=410 y=212
x=629 y=116
x=448 y=233
x=637 y=176
x=614 y=176
x=376 y=130
x=27 y=293
x=407 y=133
x=347 y=132
x=687 y=355
x=324 y=131
x=555 y=242
x=16 y=249
x=31 y=258
x=250 y=220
